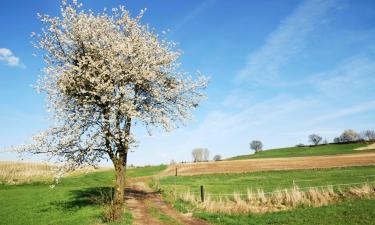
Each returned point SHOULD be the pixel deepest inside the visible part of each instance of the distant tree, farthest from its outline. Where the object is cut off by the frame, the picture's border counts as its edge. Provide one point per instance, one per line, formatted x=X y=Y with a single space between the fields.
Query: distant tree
x=369 y=135
x=256 y=145
x=300 y=145
x=217 y=158
x=200 y=154
x=325 y=142
x=315 y=139
x=197 y=154
x=362 y=137
x=206 y=154
x=172 y=162
x=349 y=136
x=337 y=140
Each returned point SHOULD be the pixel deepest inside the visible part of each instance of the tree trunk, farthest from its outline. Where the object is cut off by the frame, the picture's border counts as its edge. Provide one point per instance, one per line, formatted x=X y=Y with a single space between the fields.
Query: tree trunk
x=120 y=167
x=119 y=191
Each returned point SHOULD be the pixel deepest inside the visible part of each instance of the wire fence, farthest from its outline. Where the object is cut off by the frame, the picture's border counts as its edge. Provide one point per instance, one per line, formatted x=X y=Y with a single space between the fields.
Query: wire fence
x=304 y=188
x=274 y=192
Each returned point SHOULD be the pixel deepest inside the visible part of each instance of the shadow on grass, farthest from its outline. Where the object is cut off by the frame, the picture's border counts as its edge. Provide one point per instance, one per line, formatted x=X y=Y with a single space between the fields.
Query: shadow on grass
x=97 y=196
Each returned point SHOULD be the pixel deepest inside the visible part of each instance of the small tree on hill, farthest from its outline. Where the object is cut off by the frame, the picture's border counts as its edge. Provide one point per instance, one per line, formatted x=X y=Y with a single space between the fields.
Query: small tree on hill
x=217 y=158
x=315 y=139
x=256 y=145
x=337 y=140
x=103 y=74
x=369 y=135
x=349 y=136
x=200 y=154
x=197 y=154
x=206 y=154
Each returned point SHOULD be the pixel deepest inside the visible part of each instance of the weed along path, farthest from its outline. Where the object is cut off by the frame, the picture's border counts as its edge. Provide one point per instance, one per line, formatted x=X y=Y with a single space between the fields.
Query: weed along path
x=148 y=207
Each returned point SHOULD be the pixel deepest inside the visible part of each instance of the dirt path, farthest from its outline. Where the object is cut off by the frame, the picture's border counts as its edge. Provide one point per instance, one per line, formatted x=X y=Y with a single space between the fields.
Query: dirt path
x=141 y=201
x=251 y=165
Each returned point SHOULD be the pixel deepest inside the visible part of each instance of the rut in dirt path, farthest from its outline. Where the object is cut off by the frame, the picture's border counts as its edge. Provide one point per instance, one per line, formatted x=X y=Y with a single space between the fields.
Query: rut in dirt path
x=142 y=201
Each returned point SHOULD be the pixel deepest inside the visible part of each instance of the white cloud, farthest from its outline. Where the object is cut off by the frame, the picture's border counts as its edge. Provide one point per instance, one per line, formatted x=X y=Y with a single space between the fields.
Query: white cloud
x=288 y=40
x=7 y=56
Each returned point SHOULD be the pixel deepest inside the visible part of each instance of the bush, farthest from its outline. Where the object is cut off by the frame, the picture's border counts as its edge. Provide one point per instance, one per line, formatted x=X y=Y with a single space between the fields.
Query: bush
x=349 y=136
x=217 y=158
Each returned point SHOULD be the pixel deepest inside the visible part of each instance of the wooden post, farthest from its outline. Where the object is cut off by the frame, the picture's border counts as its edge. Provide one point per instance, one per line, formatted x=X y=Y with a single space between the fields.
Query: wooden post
x=202 y=193
x=176 y=171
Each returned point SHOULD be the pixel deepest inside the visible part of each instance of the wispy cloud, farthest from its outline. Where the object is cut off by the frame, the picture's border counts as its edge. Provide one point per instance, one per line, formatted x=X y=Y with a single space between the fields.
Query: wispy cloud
x=360 y=108
x=192 y=14
x=9 y=58
x=348 y=78
x=286 y=41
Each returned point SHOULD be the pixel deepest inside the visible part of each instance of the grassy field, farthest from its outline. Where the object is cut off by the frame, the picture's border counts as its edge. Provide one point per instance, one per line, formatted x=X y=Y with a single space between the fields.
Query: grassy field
x=353 y=211
x=268 y=180
x=330 y=149
x=145 y=171
x=73 y=201
x=78 y=199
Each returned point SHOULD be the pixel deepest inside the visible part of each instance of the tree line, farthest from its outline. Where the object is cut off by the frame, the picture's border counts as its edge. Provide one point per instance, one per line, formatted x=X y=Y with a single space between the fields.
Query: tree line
x=346 y=136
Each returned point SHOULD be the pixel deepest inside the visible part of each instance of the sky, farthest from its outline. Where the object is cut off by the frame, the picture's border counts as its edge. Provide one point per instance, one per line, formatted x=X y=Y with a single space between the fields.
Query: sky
x=279 y=71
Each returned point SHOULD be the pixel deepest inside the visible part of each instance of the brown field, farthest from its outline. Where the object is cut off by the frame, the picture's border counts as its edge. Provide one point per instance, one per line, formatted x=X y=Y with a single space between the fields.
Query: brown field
x=12 y=172
x=23 y=172
x=251 y=165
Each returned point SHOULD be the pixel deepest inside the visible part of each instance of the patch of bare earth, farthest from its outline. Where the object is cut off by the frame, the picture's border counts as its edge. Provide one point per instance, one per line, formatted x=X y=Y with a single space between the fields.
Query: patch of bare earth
x=369 y=147
x=251 y=165
x=139 y=198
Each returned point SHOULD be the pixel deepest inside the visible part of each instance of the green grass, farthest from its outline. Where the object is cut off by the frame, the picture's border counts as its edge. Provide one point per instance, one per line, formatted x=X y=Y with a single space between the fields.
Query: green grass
x=267 y=180
x=360 y=211
x=145 y=171
x=354 y=211
x=70 y=202
x=330 y=149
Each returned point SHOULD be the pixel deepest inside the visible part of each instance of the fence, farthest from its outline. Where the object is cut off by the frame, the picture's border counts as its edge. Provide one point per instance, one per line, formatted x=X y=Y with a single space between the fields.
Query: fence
x=202 y=190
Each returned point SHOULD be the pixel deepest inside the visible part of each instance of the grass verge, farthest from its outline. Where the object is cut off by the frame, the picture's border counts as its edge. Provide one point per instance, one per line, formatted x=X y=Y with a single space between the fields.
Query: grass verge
x=358 y=211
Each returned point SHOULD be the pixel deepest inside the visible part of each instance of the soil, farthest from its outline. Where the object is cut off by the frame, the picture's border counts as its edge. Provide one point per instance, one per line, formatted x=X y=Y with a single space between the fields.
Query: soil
x=370 y=147
x=140 y=198
x=252 y=165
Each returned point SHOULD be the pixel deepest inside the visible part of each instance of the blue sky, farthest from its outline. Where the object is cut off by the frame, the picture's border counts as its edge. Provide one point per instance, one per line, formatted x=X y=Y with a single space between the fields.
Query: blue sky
x=280 y=70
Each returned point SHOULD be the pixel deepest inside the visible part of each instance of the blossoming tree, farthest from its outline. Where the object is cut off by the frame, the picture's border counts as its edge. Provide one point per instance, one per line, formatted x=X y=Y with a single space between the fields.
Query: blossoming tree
x=104 y=73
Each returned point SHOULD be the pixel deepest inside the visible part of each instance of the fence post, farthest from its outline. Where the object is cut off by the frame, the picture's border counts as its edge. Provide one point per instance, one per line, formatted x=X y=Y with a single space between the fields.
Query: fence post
x=202 y=193
x=176 y=171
